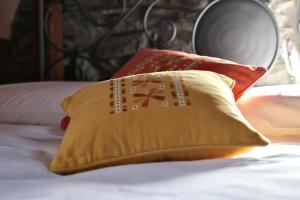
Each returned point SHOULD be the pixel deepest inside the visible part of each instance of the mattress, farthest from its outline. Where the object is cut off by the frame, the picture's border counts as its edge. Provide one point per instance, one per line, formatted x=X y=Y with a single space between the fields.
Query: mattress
x=271 y=172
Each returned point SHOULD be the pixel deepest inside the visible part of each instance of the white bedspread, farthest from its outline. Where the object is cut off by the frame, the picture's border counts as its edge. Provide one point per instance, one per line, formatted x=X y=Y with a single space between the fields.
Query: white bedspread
x=266 y=173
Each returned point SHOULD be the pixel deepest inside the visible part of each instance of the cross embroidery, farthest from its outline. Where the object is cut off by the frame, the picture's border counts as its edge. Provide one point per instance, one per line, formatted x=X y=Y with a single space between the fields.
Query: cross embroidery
x=143 y=83
x=153 y=94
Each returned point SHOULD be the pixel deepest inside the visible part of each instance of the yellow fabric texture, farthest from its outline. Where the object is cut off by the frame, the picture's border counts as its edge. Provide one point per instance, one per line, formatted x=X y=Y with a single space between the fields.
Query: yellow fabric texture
x=162 y=116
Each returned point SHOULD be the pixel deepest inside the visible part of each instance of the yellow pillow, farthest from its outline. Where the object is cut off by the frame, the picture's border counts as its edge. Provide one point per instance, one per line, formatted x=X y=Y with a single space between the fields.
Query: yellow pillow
x=183 y=115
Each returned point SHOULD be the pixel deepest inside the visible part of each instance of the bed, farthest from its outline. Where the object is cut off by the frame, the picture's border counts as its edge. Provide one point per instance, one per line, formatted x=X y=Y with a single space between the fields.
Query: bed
x=27 y=144
x=30 y=134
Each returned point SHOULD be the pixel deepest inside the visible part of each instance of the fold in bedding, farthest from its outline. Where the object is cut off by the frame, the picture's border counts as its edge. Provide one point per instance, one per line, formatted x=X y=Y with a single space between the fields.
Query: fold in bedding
x=270 y=172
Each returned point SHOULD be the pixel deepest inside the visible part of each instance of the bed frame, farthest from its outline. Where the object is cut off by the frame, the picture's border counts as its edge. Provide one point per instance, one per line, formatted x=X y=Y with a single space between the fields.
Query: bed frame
x=51 y=45
x=50 y=39
x=51 y=51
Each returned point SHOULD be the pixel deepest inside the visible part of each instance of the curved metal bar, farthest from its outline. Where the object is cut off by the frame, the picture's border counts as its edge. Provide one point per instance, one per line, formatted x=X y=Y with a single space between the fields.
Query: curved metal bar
x=91 y=20
x=100 y=40
x=75 y=54
x=47 y=34
x=87 y=17
x=153 y=37
x=56 y=62
x=51 y=66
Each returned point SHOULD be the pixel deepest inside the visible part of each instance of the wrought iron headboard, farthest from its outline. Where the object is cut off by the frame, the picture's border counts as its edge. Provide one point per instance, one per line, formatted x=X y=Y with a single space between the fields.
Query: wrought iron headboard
x=46 y=42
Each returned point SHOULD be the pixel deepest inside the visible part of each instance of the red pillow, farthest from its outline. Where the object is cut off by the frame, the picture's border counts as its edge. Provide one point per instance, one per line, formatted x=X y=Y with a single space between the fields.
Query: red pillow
x=152 y=60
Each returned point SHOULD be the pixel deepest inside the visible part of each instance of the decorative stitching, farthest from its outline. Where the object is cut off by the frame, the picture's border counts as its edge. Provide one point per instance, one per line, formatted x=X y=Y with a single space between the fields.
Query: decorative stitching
x=117 y=96
x=179 y=92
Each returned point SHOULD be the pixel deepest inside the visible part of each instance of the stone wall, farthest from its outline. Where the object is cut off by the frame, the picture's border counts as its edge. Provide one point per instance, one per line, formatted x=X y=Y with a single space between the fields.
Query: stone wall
x=129 y=36
x=17 y=53
x=287 y=68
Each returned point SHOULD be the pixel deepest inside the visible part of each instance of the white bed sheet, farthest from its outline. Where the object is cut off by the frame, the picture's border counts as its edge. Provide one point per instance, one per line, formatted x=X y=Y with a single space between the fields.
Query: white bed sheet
x=266 y=173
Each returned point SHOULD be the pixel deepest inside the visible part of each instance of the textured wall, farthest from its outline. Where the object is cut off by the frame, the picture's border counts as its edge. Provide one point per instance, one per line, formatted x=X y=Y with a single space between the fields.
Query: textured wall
x=287 y=67
x=129 y=36
x=17 y=53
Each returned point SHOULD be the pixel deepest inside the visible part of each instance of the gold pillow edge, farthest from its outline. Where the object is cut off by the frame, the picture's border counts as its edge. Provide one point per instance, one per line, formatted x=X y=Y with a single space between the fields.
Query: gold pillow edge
x=103 y=163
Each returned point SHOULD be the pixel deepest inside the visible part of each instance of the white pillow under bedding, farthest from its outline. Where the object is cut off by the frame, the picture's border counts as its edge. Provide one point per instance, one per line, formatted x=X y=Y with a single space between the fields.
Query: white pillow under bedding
x=274 y=111
x=36 y=103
